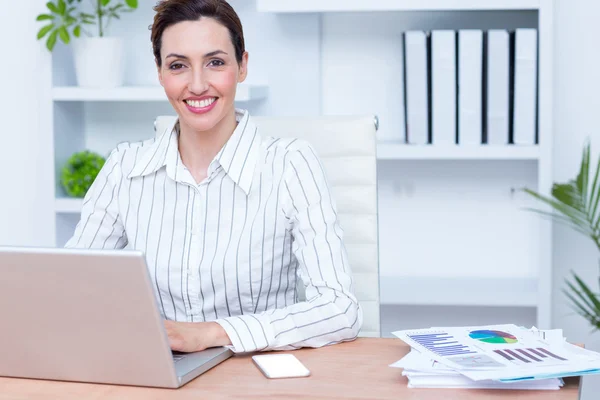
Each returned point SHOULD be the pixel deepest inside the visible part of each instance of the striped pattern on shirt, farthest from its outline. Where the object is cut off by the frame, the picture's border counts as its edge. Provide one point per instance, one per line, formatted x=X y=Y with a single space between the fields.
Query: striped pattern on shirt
x=233 y=248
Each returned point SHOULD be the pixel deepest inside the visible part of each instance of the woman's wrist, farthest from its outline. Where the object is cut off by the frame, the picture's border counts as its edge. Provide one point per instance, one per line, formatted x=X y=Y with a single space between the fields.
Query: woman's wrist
x=219 y=335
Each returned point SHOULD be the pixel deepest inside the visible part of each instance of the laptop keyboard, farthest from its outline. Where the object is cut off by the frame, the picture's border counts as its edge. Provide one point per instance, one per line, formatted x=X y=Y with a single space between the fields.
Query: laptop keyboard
x=178 y=356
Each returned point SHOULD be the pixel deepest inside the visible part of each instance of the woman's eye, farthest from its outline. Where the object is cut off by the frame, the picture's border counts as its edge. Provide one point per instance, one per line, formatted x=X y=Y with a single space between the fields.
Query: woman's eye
x=216 y=63
x=176 y=66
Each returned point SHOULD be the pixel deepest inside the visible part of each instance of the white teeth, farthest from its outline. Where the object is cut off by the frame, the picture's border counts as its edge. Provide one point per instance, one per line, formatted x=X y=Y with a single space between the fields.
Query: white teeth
x=202 y=103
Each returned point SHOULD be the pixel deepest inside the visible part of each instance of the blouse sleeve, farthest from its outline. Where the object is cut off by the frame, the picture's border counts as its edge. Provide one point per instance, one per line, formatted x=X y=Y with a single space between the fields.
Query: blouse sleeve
x=331 y=312
x=100 y=226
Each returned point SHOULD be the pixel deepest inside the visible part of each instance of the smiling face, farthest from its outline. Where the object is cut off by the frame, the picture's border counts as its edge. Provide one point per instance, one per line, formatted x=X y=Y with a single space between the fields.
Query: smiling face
x=200 y=73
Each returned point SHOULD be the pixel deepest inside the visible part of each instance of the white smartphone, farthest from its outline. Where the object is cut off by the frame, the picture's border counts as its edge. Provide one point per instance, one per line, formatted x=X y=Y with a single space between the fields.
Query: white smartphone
x=280 y=366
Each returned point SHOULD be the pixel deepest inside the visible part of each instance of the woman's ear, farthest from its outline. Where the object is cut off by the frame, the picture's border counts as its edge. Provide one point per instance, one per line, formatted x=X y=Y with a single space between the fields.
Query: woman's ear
x=243 y=68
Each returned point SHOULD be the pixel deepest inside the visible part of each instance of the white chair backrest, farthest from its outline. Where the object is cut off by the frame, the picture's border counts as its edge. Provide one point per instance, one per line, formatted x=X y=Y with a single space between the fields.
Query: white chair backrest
x=347 y=148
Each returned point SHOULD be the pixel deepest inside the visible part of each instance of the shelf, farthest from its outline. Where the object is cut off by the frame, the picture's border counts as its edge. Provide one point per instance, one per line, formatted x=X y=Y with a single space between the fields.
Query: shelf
x=507 y=292
x=245 y=92
x=300 y=6
x=398 y=151
x=68 y=205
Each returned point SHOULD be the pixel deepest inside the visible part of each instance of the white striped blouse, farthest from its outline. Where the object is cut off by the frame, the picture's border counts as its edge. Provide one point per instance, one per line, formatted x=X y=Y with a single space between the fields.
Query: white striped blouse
x=231 y=248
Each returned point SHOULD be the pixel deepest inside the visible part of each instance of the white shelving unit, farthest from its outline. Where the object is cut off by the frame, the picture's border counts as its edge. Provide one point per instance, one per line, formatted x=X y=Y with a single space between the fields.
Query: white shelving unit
x=302 y=6
x=244 y=92
x=399 y=151
x=449 y=217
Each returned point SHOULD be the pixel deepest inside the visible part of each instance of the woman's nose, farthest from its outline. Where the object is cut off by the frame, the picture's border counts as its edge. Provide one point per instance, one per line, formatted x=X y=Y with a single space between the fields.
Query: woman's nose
x=198 y=84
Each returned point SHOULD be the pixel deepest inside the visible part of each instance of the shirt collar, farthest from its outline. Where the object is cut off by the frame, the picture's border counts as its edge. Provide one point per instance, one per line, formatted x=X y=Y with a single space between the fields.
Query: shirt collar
x=163 y=151
x=240 y=154
x=238 y=157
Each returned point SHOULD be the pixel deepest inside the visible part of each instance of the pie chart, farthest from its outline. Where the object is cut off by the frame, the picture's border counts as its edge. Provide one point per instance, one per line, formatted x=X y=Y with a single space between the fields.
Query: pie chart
x=493 y=336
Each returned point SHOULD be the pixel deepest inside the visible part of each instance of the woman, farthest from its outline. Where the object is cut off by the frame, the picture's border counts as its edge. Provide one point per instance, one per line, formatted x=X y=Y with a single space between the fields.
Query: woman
x=228 y=219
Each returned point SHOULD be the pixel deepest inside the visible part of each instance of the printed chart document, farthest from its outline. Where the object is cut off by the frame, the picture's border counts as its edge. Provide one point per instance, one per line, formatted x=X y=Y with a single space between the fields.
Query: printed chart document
x=501 y=353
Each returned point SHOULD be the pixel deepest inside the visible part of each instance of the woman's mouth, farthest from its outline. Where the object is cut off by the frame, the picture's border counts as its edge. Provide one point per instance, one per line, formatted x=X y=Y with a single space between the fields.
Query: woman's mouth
x=201 y=106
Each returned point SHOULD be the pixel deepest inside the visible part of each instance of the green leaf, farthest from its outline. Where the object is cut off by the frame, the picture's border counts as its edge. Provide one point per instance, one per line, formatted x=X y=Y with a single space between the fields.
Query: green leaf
x=104 y=2
x=583 y=176
x=43 y=17
x=584 y=304
x=579 y=308
x=593 y=297
x=80 y=171
x=563 y=220
x=583 y=307
x=52 y=40
x=62 y=7
x=572 y=213
x=595 y=198
x=64 y=34
x=132 y=3
x=52 y=7
x=577 y=200
x=570 y=195
x=77 y=31
x=42 y=32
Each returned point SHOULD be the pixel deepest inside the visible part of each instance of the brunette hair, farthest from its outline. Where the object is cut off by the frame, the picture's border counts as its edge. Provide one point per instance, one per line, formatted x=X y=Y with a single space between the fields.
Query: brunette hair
x=171 y=12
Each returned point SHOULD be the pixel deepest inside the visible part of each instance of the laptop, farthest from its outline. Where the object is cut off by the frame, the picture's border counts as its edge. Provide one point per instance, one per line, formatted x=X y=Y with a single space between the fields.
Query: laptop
x=88 y=316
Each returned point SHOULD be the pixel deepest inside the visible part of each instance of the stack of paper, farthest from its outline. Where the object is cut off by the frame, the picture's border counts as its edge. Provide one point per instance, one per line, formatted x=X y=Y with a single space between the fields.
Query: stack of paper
x=492 y=357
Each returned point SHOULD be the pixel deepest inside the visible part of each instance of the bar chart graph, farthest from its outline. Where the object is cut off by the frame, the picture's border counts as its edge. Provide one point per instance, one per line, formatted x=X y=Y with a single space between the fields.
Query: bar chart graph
x=529 y=355
x=442 y=344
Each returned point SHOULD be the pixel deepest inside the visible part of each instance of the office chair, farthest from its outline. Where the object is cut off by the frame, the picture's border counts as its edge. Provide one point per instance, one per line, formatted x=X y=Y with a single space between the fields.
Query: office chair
x=347 y=148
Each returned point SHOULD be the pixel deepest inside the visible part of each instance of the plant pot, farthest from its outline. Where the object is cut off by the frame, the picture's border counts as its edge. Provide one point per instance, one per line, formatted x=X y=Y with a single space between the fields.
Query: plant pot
x=99 y=62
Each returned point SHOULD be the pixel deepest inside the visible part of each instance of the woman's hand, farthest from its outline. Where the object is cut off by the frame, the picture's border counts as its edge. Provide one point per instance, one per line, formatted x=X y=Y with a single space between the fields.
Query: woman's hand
x=195 y=336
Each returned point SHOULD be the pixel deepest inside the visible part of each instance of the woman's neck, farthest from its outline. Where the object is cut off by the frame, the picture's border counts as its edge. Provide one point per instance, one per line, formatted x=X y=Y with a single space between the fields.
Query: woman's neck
x=198 y=149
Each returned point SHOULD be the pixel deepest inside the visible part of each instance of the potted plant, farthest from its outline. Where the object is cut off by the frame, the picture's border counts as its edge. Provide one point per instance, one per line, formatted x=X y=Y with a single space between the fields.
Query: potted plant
x=80 y=171
x=98 y=58
x=575 y=204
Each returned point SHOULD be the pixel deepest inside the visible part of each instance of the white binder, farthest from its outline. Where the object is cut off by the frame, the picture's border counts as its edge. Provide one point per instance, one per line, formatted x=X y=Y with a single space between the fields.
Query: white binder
x=443 y=81
x=470 y=77
x=525 y=87
x=497 y=83
x=417 y=87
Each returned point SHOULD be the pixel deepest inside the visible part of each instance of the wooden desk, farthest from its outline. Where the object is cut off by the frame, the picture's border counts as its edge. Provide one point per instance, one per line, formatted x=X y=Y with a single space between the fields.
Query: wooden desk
x=354 y=370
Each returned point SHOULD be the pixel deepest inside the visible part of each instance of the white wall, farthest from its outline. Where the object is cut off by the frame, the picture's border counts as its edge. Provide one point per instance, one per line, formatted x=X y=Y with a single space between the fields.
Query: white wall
x=25 y=166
